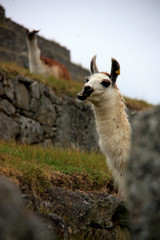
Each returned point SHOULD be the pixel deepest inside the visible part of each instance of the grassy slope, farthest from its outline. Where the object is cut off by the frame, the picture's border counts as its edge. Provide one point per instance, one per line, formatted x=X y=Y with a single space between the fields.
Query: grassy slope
x=62 y=87
x=32 y=167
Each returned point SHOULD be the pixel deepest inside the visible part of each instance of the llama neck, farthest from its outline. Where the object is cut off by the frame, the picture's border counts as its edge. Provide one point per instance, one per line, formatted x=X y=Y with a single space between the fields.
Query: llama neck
x=113 y=128
x=34 y=54
x=110 y=111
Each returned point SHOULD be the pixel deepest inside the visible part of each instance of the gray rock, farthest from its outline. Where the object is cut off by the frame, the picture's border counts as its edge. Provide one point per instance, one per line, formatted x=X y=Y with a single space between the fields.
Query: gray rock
x=144 y=176
x=35 y=90
x=9 y=128
x=34 y=105
x=22 y=96
x=49 y=131
x=76 y=127
x=54 y=98
x=25 y=80
x=46 y=112
x=30 y=131
x=83 y=215
x=7 y=107
x=9 y=89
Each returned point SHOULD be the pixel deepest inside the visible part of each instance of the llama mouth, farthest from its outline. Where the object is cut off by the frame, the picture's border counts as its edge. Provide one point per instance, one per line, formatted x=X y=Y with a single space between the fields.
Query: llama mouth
x=81 y=96
x=85 y=93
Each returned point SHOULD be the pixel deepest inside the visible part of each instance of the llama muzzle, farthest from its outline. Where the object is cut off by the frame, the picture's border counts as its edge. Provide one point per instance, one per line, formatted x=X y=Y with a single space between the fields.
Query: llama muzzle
x=86 y=92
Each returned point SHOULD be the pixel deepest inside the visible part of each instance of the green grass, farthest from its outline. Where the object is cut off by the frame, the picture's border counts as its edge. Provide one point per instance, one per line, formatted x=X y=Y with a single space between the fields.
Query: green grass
x=60 y=86
x=41 y=167
x=137 y=105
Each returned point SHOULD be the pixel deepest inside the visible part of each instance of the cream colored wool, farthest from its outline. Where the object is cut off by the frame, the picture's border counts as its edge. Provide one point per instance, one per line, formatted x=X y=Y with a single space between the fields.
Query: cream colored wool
x=112 y=124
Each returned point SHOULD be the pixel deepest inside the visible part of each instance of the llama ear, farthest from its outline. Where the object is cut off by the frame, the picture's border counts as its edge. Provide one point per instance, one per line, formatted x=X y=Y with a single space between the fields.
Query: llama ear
x=93 y=65
x=36 y=31
x=115 y=71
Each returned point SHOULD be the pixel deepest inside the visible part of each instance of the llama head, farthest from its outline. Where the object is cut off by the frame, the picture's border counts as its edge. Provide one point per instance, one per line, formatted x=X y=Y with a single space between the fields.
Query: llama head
x=31 y=34
x=100 y=84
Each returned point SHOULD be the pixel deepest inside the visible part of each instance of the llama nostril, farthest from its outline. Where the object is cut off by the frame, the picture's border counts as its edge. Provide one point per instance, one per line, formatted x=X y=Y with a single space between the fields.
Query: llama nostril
x=86 y=92
x=88 y=89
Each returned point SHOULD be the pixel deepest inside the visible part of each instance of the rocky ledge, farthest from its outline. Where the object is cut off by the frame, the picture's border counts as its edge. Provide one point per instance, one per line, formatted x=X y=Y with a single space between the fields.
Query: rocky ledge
x=61 y=214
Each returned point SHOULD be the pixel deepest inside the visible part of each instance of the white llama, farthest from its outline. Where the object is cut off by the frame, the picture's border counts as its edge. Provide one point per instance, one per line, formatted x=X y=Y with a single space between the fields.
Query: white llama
x=111 y=119
x=43 y=65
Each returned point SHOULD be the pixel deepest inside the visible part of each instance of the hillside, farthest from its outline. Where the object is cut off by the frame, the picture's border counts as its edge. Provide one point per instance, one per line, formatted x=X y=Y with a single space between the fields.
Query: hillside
x=13 y=47
x=35 y=169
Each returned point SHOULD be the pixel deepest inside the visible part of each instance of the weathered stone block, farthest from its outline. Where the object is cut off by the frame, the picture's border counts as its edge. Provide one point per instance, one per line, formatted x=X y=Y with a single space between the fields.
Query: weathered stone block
x=35 y=90
x=9 y=89
x=76 y=126
x=34 y=105
x=30 y=130
x=46 y=112
x=7 y=107
x=22 y=96
x=8 y=127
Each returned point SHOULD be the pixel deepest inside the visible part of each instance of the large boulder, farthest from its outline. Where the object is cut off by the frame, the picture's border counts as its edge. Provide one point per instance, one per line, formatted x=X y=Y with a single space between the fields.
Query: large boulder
x=83 y=215
x=144 y=176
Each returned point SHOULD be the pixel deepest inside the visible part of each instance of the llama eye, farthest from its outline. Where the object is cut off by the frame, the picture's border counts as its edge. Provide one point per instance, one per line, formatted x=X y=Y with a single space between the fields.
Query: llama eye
x=87 y=80
x=105 y=83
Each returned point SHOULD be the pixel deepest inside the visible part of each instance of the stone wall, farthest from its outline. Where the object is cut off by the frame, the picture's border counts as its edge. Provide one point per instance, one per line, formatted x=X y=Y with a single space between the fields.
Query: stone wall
x=30 y=112
x=13 y=47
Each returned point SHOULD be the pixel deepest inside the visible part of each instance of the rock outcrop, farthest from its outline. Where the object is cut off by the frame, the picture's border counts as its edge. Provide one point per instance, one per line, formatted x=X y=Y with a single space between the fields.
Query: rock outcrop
x=144 y=176
x=83 y=215
x=63 y=215
x=30 y=112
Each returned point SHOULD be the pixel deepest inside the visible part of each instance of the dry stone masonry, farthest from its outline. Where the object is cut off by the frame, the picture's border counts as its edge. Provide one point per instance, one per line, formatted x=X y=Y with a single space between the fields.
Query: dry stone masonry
x=30 y=112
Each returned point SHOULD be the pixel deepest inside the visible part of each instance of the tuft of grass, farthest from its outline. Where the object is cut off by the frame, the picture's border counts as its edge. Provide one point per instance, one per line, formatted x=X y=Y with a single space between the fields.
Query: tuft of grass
x=3 y=25
x=64 y=87
x=13 y=69
x=135 y=104
x=39 y=168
